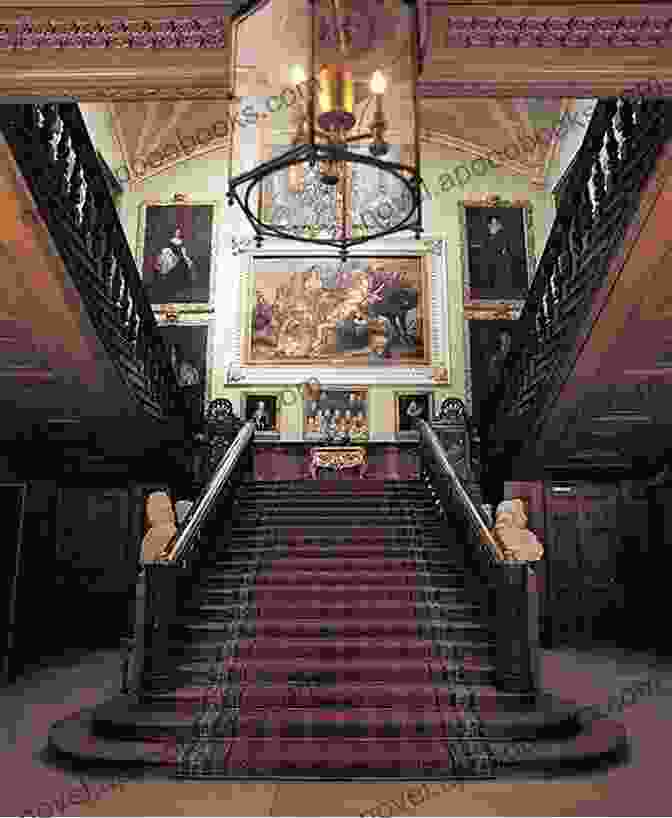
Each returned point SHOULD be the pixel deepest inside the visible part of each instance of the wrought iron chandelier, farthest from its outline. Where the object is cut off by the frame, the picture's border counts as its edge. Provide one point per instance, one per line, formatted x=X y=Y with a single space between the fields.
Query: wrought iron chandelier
x=325 y=189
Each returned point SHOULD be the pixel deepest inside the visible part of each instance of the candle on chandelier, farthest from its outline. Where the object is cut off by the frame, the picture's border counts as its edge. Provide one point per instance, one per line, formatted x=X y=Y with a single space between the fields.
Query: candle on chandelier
x=337 y=98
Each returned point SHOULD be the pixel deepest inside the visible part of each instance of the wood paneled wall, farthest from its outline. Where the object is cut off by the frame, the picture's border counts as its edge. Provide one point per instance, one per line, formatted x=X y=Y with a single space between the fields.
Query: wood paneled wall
x=597 y=566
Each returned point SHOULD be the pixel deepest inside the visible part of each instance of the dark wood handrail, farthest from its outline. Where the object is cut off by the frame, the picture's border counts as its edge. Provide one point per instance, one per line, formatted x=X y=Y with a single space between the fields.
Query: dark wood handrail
x=54 y=153
x=507 y=590
x=473 y=515
x=181 y=546
x=170 y=579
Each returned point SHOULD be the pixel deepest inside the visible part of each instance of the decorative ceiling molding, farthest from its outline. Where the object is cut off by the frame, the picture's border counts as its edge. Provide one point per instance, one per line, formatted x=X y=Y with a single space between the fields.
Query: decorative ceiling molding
x=444 y=140
x=545 y=29
x=521 y=107
x=182 y=50
x=553 y=151
x=99 y=74
x=142 y=31
x=156 y=136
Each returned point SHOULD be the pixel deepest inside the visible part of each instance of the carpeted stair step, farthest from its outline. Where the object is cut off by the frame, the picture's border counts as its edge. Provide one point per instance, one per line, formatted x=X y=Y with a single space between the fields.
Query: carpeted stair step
x=302 y=529
x=330 y=722
x=295 y=487
x=341 y=649
x=275 y=576
x=483 y=700
x=456 y=650
x=303 y=534
x=597 y=743
x=338 y=565
x=346 y=550
x=337 y=510
x=407 y=669
x=404 y=717
x=322 y=564
x=316 y=607
x=332 y=497
x=316 y=628
x=373 y=596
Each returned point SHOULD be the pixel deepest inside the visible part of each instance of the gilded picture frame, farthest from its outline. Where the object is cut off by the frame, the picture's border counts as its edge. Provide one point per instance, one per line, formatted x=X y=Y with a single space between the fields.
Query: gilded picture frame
x=403 y=400
x=517 y=232
x=381 y=312
x=176 y=252
x=353 y=399
x=193 y=334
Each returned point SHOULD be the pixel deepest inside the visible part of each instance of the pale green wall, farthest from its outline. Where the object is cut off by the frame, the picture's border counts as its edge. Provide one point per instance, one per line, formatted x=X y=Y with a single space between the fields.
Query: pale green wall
x=205 y=179
x=201 y=179
x=98 y=121
x=443 y=219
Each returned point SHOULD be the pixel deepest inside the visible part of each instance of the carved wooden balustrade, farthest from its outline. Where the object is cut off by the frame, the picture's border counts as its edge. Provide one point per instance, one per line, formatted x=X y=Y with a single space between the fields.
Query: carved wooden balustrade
x=54 y=153
x=599 y=201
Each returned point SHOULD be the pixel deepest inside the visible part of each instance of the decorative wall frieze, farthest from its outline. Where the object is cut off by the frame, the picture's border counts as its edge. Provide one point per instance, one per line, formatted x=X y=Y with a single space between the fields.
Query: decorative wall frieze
x=27 y=33
x=550 y=31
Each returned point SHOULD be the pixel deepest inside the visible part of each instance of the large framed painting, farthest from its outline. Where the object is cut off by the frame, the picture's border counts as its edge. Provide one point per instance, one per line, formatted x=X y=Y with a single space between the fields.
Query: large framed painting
x=497 y=249
x=176 y=251
x=361 y=312
x=489 y=346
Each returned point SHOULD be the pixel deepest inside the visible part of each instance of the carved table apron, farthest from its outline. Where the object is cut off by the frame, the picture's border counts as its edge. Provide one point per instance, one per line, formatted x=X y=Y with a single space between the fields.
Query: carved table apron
x=332 y=457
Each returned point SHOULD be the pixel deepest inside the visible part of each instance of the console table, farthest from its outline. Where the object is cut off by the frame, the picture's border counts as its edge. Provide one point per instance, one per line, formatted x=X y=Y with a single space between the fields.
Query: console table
x=333 y=457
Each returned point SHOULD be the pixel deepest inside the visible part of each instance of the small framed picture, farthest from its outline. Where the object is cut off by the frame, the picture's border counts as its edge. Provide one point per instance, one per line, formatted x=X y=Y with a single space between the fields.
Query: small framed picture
x=411 y=407
x=262 y=409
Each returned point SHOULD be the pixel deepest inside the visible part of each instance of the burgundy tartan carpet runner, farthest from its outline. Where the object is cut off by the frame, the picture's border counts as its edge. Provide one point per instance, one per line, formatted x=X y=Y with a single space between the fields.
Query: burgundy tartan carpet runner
x=334 y=636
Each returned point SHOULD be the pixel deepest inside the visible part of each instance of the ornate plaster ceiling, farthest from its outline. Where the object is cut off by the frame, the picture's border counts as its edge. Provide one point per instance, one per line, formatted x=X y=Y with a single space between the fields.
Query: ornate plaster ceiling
x=270 y=41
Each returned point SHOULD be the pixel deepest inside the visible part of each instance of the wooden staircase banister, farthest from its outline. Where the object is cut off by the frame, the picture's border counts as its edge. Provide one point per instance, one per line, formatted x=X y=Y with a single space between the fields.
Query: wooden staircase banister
x=168 y=580
x=474 y=517
x=182 y=545
x=599 y=201
x=54 y=153
x=508 y=589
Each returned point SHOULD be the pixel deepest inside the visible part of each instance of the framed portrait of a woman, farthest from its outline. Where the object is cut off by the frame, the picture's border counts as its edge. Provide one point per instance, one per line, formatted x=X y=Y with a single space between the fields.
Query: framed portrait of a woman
x=176 y=252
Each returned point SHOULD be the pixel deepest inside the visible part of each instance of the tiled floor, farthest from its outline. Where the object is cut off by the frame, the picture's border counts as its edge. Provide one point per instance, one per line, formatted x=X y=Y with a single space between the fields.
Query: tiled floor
x=32 y=785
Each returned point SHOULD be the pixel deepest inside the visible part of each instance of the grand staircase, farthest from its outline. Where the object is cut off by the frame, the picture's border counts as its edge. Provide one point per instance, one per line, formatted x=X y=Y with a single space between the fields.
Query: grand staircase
x=332 y=634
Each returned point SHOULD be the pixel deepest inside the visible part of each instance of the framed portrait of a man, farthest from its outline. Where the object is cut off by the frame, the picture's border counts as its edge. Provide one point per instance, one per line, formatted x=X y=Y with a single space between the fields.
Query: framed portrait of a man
x=188 y=346
x=497 y=249
x=176 y=251
x=262 y=409
x=489 y=347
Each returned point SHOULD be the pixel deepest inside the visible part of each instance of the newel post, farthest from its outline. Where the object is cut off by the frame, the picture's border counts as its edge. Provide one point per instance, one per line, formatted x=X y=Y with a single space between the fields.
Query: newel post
x=161 y=596
x=517 y=664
